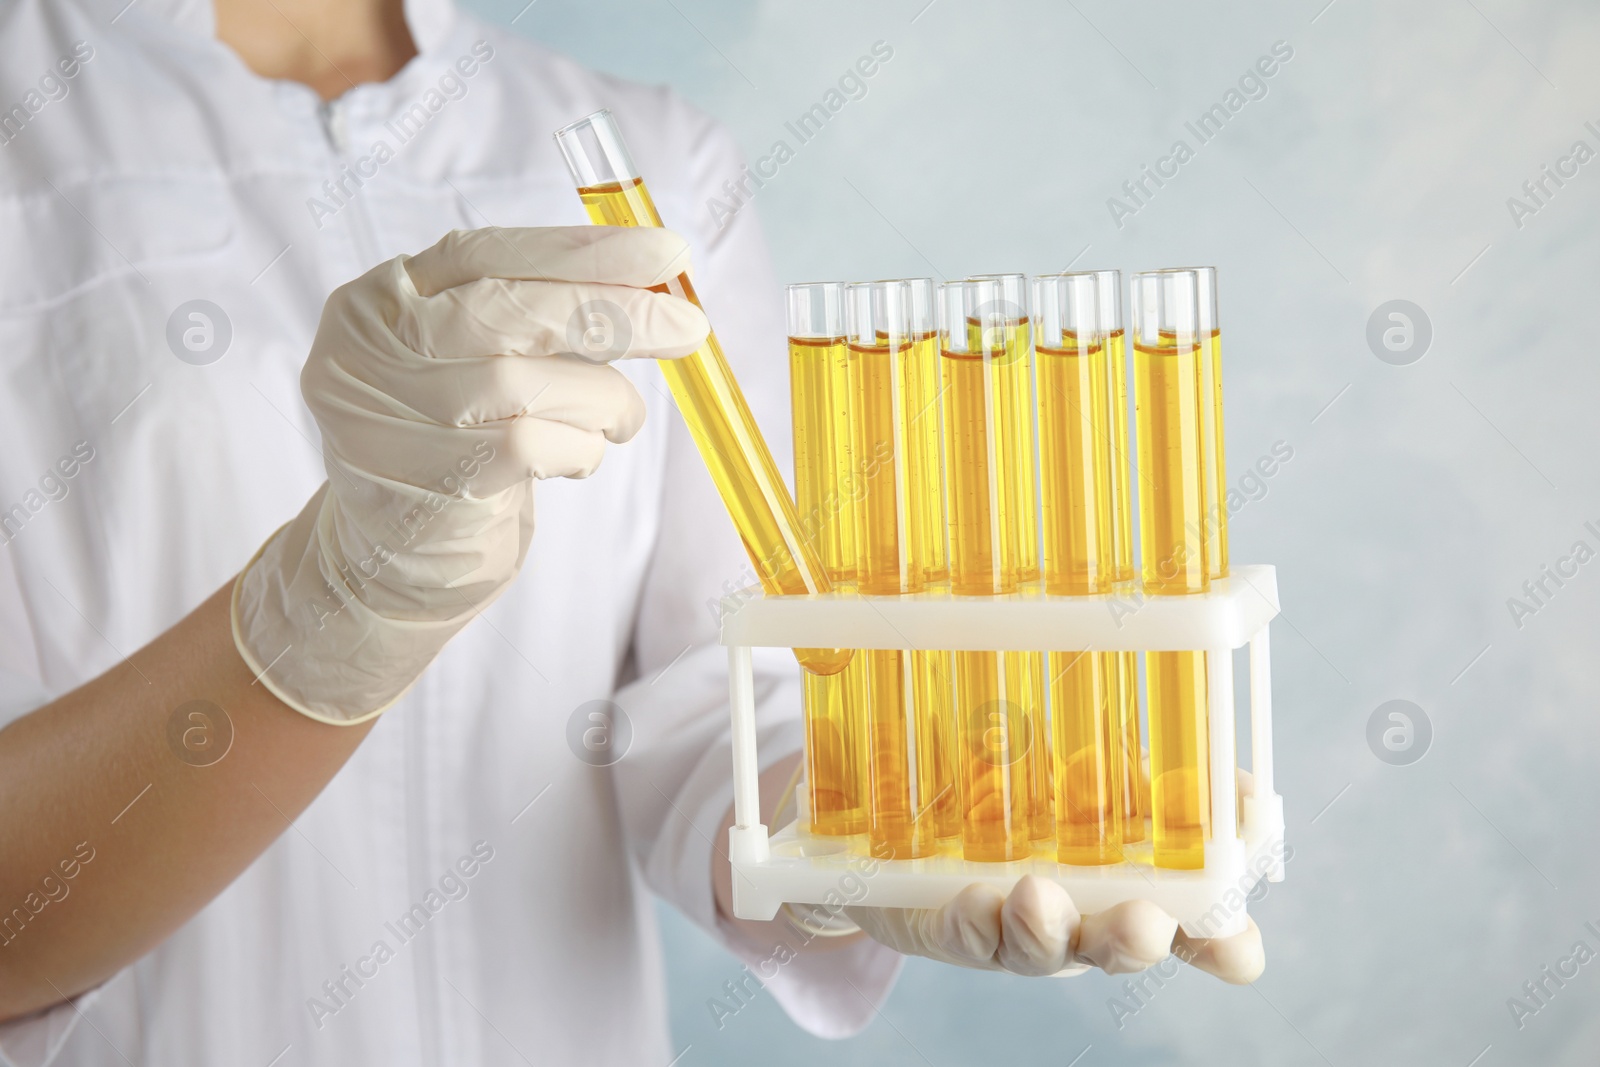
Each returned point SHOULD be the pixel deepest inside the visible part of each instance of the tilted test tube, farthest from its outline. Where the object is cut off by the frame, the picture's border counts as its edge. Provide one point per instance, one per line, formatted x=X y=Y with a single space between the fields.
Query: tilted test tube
x=1077 y=551
x=1173 y=542
x=990 y=460
x=826 y=492
x=730 y=443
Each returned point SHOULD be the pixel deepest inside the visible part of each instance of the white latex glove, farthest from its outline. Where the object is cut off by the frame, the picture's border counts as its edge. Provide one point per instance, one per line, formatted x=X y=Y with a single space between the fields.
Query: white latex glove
x=1037 y=930
x=442 y=383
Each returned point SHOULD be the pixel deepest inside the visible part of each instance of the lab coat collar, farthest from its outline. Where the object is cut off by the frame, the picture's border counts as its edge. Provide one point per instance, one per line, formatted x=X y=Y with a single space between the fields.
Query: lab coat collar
x=429 y=20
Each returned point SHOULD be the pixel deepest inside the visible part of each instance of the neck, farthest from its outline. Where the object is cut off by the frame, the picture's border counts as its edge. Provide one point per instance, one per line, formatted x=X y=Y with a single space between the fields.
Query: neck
x=330 y=45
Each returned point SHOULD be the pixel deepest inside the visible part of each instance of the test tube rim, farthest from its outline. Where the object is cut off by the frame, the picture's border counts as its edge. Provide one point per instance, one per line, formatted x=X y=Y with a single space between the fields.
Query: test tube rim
x=613 y=147
x=1036 y=311
x=872 y=288
x=933 y=303
x=839 y=312
x=1202 y=304
x=1194 y=332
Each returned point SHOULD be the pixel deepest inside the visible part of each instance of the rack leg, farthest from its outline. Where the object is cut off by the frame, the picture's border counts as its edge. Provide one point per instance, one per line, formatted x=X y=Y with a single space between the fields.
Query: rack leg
x=1224 y=757
x=747 y=840
x=1264 y=808
x=1261 y=713
x=1225 y=854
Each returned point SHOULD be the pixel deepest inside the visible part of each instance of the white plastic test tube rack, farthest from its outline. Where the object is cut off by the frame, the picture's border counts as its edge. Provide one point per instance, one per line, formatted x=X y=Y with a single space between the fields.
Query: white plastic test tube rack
x=1246 y=844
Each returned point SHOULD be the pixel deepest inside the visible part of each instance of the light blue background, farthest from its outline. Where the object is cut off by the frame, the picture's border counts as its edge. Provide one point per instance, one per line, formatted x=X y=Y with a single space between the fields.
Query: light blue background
x=1377 y=167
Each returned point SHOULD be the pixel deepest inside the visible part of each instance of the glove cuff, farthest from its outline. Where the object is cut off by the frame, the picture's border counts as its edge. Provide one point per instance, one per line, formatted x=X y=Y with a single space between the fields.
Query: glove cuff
x=301 y=626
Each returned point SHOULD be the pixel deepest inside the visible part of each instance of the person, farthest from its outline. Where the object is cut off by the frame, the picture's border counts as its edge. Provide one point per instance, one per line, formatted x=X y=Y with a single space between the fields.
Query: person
x=277 y=458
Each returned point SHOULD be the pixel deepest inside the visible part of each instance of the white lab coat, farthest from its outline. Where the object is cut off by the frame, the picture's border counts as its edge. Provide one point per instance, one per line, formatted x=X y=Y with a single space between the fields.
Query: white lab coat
x=163 y=171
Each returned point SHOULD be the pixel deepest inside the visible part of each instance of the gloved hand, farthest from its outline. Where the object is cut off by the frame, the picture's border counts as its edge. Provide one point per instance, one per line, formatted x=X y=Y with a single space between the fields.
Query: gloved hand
x=442 y=383
x=1037 y=930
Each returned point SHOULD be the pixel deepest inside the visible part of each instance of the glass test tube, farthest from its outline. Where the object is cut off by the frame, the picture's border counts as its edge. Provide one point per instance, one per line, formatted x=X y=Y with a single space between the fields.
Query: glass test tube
x=1025 y=670
x=985 y=352
x=934 y=670
x=1172 y=541
x=1125 y=686
x=825 y=500
x=1211 y=420
x=927 y=426
x=1075 y=498
x=1074 y=439
x=730 y=443
x=902 y=732
x=1212 y=452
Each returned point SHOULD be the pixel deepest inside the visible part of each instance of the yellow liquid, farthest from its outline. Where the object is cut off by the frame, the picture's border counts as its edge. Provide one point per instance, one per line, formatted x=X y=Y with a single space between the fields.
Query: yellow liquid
x=1173 y=526
x=1120 y=492
x=1180 y=766
x=1120 y=489
x=1126 y=694
x=885 y=382
x=1000 y=697
x=901 y=765
x=927 y=435
x=835 y=705
x=993 y=739
x=1022 y=412
x=1173 y=530
x=823 y=469
x=1216 y=470
x=836 y=772
x=1025 y=680
x=1075 y=467
x=989 y=464
x=936 y=727
x=1089 y=769
x=729 y=441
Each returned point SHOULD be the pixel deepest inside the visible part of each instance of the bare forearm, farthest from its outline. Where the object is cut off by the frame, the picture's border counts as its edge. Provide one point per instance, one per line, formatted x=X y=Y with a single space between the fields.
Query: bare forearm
x=169 y=803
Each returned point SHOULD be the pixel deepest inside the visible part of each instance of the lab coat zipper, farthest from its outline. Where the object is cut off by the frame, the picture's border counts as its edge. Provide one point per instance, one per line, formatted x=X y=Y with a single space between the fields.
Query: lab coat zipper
x=424 y=964
x=336 y=130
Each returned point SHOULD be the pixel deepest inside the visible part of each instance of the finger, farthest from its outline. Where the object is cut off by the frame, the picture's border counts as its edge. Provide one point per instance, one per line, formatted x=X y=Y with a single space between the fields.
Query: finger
x=1237 y=960
x=637 y=256
x=1037 y=925
x=1128 y=937
x=968 y=928
x=601 y=323
x=541 y=448
x=475 y=392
